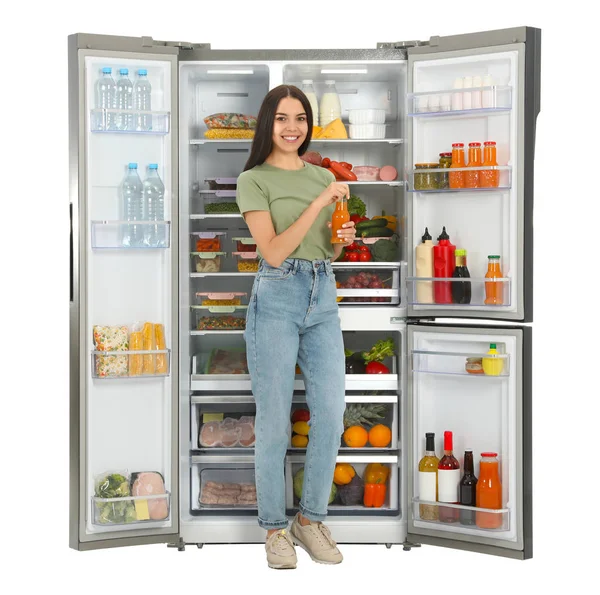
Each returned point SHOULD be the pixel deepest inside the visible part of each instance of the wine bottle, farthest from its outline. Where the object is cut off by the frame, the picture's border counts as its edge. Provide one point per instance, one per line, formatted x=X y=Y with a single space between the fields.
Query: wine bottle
x=428 y=467
x=448 y=480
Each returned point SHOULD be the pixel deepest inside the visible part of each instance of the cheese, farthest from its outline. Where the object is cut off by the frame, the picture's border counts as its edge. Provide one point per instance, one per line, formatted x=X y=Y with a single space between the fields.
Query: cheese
x=335 y=129
x=141 y=510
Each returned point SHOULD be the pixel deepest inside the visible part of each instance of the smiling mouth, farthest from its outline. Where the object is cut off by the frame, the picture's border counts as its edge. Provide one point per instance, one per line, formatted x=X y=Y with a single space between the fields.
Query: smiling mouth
x=290 y=139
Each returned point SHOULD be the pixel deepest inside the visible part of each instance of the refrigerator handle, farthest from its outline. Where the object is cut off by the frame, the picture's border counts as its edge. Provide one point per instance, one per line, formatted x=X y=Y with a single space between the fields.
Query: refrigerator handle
x=71 y=252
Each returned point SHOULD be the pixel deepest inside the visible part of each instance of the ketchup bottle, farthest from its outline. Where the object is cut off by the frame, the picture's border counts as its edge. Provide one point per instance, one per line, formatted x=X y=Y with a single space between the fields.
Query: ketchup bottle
x=443 y=267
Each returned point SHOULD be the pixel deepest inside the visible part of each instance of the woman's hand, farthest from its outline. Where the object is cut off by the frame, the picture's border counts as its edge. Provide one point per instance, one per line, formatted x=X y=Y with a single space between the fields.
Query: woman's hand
x=332 y=193
x=347 y=233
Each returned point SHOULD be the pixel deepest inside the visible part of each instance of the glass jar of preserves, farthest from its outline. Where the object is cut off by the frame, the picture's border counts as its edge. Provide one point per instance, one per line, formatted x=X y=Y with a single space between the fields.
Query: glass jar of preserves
x=425 y=180
x=445 y=162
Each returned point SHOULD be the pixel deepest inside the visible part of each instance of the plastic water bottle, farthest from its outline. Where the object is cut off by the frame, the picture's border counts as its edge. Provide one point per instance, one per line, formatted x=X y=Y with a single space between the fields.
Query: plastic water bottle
x=142 y=100
x=154 y=206
x=133 y=208
x=124 y=95
x=105 y=99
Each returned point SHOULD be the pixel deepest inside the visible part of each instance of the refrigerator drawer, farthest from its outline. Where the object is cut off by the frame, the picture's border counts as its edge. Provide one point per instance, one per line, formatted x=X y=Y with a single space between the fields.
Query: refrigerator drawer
x=369 y=282
x=218 y=427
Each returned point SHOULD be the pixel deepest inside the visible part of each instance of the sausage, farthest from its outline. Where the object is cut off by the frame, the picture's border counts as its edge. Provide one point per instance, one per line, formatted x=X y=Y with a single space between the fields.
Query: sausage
x=342 y=172
x=388 y=173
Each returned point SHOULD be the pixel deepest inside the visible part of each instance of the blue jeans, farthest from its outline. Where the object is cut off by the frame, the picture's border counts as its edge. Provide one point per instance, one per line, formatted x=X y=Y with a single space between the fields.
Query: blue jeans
x=293 y=318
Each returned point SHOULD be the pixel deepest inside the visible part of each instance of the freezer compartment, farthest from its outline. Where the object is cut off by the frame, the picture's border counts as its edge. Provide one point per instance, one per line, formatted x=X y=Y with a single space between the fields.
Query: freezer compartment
x=110 y=234
x=131 y=364
x=133 y=510
x=219 y=318
x=422 y=291
x=207 y=262
x=138 y=122
x=368 y=282
x=476 y=364
x=460 y=101
x=465 y=518
x=349 y=499
x=217 y=427
x=482 y=179
x=222 y=486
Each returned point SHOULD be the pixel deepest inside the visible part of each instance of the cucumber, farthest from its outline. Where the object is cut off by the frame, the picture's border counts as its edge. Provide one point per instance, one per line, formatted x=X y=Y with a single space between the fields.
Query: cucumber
x=377 y=232
x=371 y=223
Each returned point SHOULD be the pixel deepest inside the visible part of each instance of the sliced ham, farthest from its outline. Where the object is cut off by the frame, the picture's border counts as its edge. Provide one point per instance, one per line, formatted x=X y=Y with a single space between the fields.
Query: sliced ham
x=247 y=437
x=210 y=434
x=150 y=484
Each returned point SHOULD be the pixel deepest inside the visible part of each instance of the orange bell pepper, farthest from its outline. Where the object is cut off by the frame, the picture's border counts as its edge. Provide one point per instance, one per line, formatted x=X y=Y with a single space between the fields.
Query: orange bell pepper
x=374 y=494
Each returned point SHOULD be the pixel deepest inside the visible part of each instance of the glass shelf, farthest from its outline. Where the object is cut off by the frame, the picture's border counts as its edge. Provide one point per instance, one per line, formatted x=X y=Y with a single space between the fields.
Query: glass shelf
x=138 y=122
x=454 y=363
x=479 y=519
x=153 y=363
x=438 y=180
x=422 y=291
x=390 y=141
x=112 y=234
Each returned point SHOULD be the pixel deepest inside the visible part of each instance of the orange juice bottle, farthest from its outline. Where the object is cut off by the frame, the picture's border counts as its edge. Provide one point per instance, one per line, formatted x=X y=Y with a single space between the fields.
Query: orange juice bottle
x=489 y=178
x=457 y=178
x=340 y=216
x=488 y=492
x=472 y=177
x=494 y=290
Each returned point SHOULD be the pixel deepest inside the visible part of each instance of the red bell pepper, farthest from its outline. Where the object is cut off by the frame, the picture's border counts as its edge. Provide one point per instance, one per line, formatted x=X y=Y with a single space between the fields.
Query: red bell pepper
x=374 y=494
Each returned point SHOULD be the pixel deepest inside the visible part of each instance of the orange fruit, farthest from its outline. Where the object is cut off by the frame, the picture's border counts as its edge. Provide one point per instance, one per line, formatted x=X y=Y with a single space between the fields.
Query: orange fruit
x=299 y=441
x=380 y=436
x=356 y=436
x=301 y=427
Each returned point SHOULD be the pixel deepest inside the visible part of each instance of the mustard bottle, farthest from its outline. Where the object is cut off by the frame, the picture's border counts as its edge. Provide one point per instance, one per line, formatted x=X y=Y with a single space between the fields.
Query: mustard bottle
x=492 y=366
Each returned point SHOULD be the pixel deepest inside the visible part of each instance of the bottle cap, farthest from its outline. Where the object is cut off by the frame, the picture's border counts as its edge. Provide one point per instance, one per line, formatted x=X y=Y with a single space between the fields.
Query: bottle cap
x=489 y=454
x=460 y=252
x=474 y=144
x=426 y=235
x=430 y=435
x=443 y=235
x=494 y=256
x=142 y=72
x=430 y=441
x=153 y=166
x=106 y=70
x=447 y=440
x=458 y=145
x=492 y=345
x=132 y=166
x=123 y=71
x=490 y=143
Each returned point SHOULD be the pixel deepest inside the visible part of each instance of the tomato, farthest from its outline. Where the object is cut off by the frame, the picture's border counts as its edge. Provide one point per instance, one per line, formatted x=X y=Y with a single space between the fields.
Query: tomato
x=377 y=368
x=364 y=256
x=352 y=256
x=364 y=249
x=326 y=162
x=355 y=218
x=352 y=247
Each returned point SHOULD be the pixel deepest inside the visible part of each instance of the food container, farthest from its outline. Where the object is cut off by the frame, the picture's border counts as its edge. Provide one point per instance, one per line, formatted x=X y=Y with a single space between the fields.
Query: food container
x=474 y=365
x=245 y=244
x=367 y=131
x=207 y=262
x=221 y=183
x=228 y=133
x=205 y=298
x=366 y=173
x=230 y=120
x=366 y=116
x=207 y=241
x=445 y=163
x=222 y=202
x=220 y=318
x=227 y=433
x=227 y=361
x=227 y=487
x=247 y=262
x=426 y=180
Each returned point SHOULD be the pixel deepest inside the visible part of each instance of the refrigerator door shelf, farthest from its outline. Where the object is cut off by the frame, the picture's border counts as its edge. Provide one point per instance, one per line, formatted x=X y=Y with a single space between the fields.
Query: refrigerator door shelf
x=154 y=122
x=314 y=141
x=109 y=234
x=128 y=511
x=436 y=180
x=498 y=520
x=111 y=365
x=478 y=292
x=445 y=362
x=489 y=101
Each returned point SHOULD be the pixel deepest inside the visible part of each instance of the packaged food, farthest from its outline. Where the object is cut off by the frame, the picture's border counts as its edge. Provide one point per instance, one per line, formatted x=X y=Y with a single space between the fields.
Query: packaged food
x=366 y=116
x=149 y=365
x=111 y=502
x=218 y=318
x=245 y=244
x=247 y=262
x=228 y=133
x=207 y=262
x=162 y=365
x=225 y=488
x=221 y=183
x=136 y=343
x=111 y=338
x=366 y=173
x=425 y=180
x=149 y=483
x=204 y=298
x=227 y=433
x=220 y=205
x=474 y=365
x=230 y=120
x=367 y=131
x=444 y=163
x=227 y=361
x=206 y=241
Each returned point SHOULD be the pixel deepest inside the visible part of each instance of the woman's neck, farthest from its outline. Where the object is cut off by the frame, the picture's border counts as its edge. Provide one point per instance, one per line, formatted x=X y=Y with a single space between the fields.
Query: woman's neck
x=285 y=160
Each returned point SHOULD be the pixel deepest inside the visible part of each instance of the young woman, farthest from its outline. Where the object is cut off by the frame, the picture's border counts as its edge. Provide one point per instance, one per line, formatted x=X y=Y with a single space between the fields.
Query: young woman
x=293 y=318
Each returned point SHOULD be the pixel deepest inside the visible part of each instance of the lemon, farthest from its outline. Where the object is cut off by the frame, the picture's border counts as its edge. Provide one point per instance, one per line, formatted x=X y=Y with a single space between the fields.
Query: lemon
x=299 y=441
x=301 y=427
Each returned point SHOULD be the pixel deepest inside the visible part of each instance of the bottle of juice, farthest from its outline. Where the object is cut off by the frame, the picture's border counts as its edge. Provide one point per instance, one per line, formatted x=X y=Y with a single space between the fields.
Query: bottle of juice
x=471 y=178
x=492 y=366
x=494 y=290
x=457 y=178
x=340 y=216
x=489 y=178
x=424 y=268
x=488 y=492
x=443 y=267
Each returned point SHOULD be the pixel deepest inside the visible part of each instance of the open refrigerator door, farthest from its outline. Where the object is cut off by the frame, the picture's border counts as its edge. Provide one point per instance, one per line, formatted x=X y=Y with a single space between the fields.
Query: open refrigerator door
x=124 y=332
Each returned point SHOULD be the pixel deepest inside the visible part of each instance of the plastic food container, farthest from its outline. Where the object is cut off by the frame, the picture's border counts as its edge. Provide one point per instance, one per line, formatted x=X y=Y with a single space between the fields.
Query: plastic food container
x=230 y=120
x=367 y=131
x=221 y=203
x=227 y=433
x=206 y=298
x=366 y=173
x=245 y=244
x=207 y=241
x=227 y=488
x=227 y=361
x=247 y=262
x=207 y=262
x=221 y=183
x=220 y=318
x=474 y=365
x=366 y=116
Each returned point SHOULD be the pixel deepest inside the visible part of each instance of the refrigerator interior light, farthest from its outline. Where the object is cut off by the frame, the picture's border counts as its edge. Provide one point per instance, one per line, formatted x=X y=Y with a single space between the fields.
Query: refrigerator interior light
x=341 y=71
x=247 y=71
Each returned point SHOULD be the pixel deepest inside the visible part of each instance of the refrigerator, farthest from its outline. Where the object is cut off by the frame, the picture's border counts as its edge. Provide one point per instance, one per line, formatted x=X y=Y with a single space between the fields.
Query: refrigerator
x=140 y=398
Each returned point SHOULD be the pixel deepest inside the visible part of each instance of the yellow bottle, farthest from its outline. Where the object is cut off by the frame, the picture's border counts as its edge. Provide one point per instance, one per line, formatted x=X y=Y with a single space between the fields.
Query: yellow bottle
x=492 y=366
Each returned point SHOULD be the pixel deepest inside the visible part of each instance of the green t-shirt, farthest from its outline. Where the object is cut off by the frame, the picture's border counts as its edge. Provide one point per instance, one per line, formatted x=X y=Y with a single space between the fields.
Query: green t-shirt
x=286 y=194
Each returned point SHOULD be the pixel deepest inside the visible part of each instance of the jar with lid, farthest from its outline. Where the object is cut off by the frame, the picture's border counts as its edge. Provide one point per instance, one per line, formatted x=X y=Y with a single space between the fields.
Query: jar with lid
x=474 y=365
x=489 y=178
x=330 y=108
x=309 y=91
x=457 y=178
x=445 y=162
x=472 y=177
x=425 y=180
x=488 y=492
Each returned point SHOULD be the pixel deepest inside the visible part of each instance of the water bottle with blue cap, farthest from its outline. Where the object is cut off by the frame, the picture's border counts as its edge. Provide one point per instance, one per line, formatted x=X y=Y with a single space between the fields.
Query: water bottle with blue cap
x=105 y=99
x=124 y=121
x=154 y=207
x=142 y=100
x=133 y=208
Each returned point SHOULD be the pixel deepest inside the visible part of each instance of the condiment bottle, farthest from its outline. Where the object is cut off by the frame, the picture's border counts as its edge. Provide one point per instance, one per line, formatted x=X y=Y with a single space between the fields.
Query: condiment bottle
x=443 y=267
x=309 y=91
x=466 y=490
x=448 y=480
x=494 y=290
x=340 y=216
x=428 y=484
x=457 y=178
x=330 y=108
x=492 y=366
x=489 y=178
x=471 y=178
x=461 y=290
x=424 y=268
x=488 y=492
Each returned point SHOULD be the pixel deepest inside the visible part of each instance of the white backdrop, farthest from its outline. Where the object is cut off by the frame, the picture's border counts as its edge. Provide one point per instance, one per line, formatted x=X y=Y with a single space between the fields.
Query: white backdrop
x=34 y=345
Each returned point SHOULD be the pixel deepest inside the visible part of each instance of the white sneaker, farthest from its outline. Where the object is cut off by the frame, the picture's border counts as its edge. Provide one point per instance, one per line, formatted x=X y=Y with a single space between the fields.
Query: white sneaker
x=317 y=541
x=280 y=550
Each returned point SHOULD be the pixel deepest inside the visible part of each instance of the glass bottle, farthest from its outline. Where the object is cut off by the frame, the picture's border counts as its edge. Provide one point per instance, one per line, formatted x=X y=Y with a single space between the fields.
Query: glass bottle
x=489 y=178
x=448 y=480
x=457 y=178
x=428 y=486
x=340 y=216
x=488 y=492
x=309 y=91
x=461 y=290
x=494 y=290
x=466 y=490
x=472 y=177
x=330 y=108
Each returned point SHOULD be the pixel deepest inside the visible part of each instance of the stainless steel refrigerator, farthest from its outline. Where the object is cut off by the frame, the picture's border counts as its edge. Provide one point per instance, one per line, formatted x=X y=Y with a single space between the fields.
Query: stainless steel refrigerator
x=142 y=393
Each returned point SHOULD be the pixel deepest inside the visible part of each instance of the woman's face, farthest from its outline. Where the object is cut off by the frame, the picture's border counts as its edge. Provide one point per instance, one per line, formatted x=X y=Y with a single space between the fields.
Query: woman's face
x=290 y=127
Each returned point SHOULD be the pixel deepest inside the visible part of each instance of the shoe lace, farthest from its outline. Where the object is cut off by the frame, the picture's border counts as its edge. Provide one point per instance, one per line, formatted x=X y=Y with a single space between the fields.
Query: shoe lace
x=282 y=542
x=325 y=535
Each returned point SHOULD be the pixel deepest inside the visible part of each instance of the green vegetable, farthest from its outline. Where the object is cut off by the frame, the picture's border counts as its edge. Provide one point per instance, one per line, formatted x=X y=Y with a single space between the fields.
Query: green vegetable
x=371 y=224
x=382 y=349
x=377 y=232
x=356 y=206
x=384 y=251
x=115 y=485
x=299 y=478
